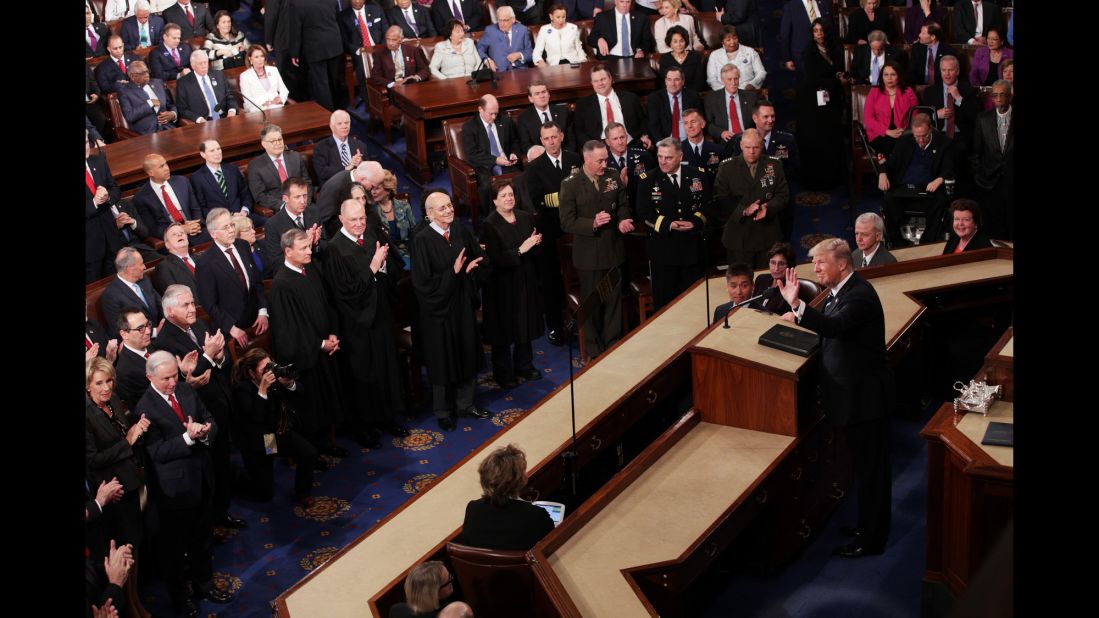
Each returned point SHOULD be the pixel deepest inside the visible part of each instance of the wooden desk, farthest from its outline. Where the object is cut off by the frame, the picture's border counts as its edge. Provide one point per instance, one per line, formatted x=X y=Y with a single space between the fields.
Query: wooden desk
x=238 y=136
x=437 y=99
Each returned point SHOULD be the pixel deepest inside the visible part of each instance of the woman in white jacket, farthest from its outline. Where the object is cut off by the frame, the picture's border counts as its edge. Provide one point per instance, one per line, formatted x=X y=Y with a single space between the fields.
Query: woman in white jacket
x=261 y=83
x=560 y=41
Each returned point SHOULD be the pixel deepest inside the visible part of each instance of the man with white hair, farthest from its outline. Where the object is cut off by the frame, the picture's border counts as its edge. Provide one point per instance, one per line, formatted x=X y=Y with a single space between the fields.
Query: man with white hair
x=505 y=45
x=869 y=229
x=141 y=29
x=367 y=174
x=729 y=110
x=343 y=152
x=229 y=283
x=204 y=94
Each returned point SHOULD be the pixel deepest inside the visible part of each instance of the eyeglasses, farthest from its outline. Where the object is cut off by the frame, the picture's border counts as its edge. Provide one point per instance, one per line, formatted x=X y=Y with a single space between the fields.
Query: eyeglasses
x=274 y=140
x=144 y=327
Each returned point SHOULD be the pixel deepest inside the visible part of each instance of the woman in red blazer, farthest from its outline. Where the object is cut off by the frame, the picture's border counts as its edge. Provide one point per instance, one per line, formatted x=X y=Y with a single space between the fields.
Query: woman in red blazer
x=887 y=104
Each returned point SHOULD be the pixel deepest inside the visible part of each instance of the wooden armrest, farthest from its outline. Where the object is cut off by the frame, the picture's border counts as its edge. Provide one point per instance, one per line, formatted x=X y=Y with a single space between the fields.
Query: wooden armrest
x=124 y=133
x=263 y=211
x=462 y=167
x=155 y=243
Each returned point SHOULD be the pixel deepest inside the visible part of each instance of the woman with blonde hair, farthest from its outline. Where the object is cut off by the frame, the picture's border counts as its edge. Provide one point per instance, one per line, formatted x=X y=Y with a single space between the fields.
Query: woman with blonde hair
x=428 y=584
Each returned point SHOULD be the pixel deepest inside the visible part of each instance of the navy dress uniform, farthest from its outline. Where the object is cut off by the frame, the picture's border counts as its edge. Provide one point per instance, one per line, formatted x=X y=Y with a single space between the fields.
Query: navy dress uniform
x=675 y=255
x=707 y=155
x=637 y=160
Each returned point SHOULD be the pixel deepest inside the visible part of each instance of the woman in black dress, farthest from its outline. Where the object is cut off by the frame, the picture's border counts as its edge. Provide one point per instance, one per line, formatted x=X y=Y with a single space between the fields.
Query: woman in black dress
x=820 y=110
x=694 y=72
x=499 y=519
x=512 y=303
x=872 y=16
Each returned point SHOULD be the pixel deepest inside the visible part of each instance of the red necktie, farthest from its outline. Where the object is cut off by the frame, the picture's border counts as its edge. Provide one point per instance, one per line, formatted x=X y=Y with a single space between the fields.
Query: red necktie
x=187 y=261
x=360 y=241
x=282 y=170
x=734 y=120
x=146 y=355
x=88 y=180
x=236 y=267
x=303 y=270
x=122 y=66
x=87 y=342
x=446 y=235
x=175 y=55
x=367 y=41
x=190 y=15
x=172 y=210
x=675 y=116
x=610 y=112
x=950 y=121
x=175 y=406
x=930 y=68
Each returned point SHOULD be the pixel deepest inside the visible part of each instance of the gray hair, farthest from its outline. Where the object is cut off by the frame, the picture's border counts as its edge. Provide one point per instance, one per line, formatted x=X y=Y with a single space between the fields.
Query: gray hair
x=614 y=125
x=457 y=609
x=503 y=11
x=1002 y=82
x=213 y=216
x=268 y=129
x=873 y=219
x=670 y=142
x=172 y=294
x=142 y=5
x=535 y=151
x=125 y=258
x=290 y=237
x=199 y=52
x=949 y=58
x=729 y=67
x=876 y=35
x=592 y=145
x=156 y=359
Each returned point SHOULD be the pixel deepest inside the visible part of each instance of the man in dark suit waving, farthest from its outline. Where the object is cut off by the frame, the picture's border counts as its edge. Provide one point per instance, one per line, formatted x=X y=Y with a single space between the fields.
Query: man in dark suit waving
x=491 y=143
x=204 y=94
x=856 y=381
x=608 y=27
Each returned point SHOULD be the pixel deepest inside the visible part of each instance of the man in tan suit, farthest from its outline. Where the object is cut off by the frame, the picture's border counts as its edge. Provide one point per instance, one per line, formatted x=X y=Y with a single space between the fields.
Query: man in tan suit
x=595 y=210
x=752 y=191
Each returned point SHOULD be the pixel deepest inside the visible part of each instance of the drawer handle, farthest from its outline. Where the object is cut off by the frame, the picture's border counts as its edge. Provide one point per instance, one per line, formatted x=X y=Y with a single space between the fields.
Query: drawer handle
x=837 y=491
x=805 y=531
x=796 y=474
x=762 y=496
x=596 y=443
x=710 y=549
x=650 y=396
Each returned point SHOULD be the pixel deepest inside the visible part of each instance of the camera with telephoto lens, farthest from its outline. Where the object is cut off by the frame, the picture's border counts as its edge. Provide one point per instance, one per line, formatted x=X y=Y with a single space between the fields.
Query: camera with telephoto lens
x=283 y=371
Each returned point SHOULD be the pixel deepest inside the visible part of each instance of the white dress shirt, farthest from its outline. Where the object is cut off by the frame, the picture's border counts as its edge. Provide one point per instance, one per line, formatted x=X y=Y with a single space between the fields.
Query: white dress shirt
x=616 y=106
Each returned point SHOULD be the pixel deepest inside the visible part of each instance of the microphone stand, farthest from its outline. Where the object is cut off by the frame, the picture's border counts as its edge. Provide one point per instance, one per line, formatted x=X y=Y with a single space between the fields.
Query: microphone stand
x=752 y=299
x=259 y=107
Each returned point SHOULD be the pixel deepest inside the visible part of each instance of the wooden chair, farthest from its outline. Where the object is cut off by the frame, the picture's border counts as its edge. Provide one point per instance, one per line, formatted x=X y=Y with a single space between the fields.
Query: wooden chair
x=463 y=177
x=496 y=583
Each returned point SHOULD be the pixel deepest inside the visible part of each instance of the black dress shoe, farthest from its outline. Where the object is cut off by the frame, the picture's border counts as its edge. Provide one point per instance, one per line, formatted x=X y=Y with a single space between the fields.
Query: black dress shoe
x=215 y=595
x=187 y=608
x=394 y=429
x=447 y=424
x=850 y=531
x=533 y=374
x=231 y=522
x=335 y=451
x=556 y=337
x=857 y=550
x=475 y=412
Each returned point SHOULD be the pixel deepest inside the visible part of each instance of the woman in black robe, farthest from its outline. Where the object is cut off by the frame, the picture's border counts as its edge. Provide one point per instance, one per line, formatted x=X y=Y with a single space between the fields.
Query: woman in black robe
x=819 y=127
x=512 y=302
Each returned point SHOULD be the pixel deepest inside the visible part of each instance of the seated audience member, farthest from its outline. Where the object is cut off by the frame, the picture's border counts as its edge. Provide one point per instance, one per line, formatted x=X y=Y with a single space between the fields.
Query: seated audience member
x=743 y=15
x=457 y=609
x=505 y=45
x=921 y=161
x=923 y=60
x=973 y=18
x=722 y=126
x=887 y=105
x=528 y=12
x=204 y=94
x=779 y=257
x=395 y=215
x=295 y=214
x=541 y=111
x=559 y=40
x=869 y=229
x=606 y=105
x=397 y=63
x=608 y=25
x=743 y=57
x=141 y=29
x=870 y=17
x=993 y=161
x=466 y=11
x=268 y=171
x=266 y=405
x=146 y=103
x=193 y=18
x=456 y=56
x=687 y=60
x=93 y=106
x=921 y=12
x=342 y=152
x=218 y=185
x=111 y=74
x=414 y=20
x=869 y=59
x=246 y=231
x=225 y=45
x=165 y=199
x=95 y=35
x=428 y=584
x=499 y=519
x=229 y=284
x=261 y=84
x=738 y=281
x=987 y=64
x=752 y=191
x=130 y=288
x=178 y=266
x=671 y=17
x=170 y=61
x=491 y=143
x=965 y=232
x=665 y=107
x=136 y=331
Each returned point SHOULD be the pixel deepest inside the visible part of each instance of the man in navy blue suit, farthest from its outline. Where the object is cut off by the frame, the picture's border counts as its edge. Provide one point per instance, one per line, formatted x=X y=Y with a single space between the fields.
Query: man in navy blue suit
x=341 y=152
x=146 y=104
x=121 y=292
x=608 y=26
x=164 y=199
x=506 y=44
x=141 y=29
x=230 y=285
x=204 y=94
x=442 y=11
x=170 y=61
x=221 y=186
x=795 y=32
x=362 y=26
x=414 y=20
x=111 y=74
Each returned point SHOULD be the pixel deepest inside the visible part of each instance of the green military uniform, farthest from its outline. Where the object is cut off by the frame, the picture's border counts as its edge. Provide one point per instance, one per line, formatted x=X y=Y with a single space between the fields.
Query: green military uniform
x=596 y=251
x=735 y=189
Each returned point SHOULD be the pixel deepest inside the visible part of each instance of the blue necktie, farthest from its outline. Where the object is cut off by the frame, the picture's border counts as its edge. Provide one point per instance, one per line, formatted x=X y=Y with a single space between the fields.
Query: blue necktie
x=257 y=260
x=494 y=148
x=874 y=68
x=626 y=51
x=140 y=294
x=211 y=100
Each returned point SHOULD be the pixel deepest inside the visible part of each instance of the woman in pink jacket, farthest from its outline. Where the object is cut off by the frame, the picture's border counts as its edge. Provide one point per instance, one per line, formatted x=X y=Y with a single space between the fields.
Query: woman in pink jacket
x=887 y=106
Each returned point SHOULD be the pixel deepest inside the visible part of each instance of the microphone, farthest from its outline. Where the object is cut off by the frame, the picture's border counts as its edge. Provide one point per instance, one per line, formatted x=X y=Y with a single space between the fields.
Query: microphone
x=478 y=75
x=767 y=294
x=259 y=107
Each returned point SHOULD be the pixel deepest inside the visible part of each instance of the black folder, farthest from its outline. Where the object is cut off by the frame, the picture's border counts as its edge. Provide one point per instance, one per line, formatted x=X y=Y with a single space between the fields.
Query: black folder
x=789 y=339
x=1000 y=434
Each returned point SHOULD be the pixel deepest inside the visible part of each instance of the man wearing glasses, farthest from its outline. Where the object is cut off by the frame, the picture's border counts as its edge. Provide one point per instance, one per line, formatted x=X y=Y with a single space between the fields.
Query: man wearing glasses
x=267 y=172
x=135 y=331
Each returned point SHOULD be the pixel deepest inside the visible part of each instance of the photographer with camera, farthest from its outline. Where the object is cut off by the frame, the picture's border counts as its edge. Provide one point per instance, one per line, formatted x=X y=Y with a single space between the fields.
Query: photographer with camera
x=265 y=397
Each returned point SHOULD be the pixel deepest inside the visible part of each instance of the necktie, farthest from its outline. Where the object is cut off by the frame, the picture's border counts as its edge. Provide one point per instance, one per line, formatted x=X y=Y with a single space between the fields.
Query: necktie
x=211 y=100
x=930 y=67
x=171 y=207
x=557 y=163
x=190 y=15
x=221 y=183
x=194 y=340
x=698 y=151
x=675 y=116
x=88 y=180
x=360 y=241
x=303 y=271
x=122 y=66
x=411 y=21
x=237 y=267
x=175 y=407
x=545 y=117
x=830 y=303
x=457 y=10
x=299 y=223
x=610 y=112
x=446 y=235
x=812 y=11
x=865 y=261
x=874 y=70
x=146 y=355
x=92 y=41
x=1003 y=132
x=734 y=120
x=675 y=179
x=144 y=35
x=367 y=41
x=175 y=55
x=398 y=66
x=621 y=163
x=190 y=267
x=493 y=147
x=282 y=170
x=626 y=51
x=345 y=156
x=950 y=128
x=140 y=294
x=87 y=342
x=508 y=33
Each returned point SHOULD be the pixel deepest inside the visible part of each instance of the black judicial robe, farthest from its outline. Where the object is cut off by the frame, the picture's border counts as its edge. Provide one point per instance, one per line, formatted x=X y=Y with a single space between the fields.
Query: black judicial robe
x=302 y=317
x=512 y=300
x=448 y=302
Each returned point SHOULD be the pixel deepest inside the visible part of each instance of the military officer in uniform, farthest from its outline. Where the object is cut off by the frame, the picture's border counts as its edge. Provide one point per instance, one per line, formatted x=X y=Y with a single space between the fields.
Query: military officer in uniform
x=778 y=144
x=632 y=160
x=696 y=150
x=751 y=190
x=670 y=199
x=595 y=211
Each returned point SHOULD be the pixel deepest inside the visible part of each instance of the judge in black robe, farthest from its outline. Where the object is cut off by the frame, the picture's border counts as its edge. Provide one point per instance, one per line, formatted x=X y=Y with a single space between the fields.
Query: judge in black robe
x=301 y=319
x=512 y=301
x=447 y=302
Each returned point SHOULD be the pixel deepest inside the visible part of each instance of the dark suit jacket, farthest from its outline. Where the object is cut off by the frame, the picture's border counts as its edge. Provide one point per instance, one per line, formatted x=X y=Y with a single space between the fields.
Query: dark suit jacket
x=544 y=187
x=331 y=195
x=442 y=13
x=136 y=110
x=204 y=20
x=588 y=122
x=216 y=394
x=263 y=178
x=118 y=296
x=107 y=454
x=942 y=160
x=581 y=9
x=856 y=380
x=314 y=30
x=163 y=66
x=917 y=62
x=131 y=382
x=384 y=71
x=376 y=25
x=980 y=240
x=181 y=470
x=794 y=32
x=101 y=34
x=171 y=271
x=100 y=234
x=129 y=32
x=107 y=73
x=517 y=525
x=425 y=23
x=153 y=210
x=607 y=26
x=326 y=156
x=192 y=102
x=475 y=142
x=965 y=117
x=276 y=226
x=224 y=297
x=94 y=330
x=717 y=112
x=744 y=14
x=660 y=112
x=990 y=162
x=276 y=23
x=965 y=20
x=860 y=64
x=529 y=126
x=881 y=257
x=208 y=195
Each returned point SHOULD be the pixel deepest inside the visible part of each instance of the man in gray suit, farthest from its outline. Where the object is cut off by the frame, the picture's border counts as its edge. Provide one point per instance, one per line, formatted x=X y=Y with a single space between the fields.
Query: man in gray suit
x=718 y=103
x=267 y=172
x=869 y=228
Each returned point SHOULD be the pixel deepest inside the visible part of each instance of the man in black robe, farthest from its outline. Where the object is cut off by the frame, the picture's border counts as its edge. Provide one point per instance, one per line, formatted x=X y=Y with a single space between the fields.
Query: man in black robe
x=303 y=332
x=447 y=269
x=358 y=270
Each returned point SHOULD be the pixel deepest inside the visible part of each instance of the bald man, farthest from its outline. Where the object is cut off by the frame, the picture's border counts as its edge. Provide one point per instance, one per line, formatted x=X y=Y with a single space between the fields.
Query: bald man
x=396 y=63
x=342 y=152
x=752 y=192
x=166 y=199
x=491 y=143
x=338 y=188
